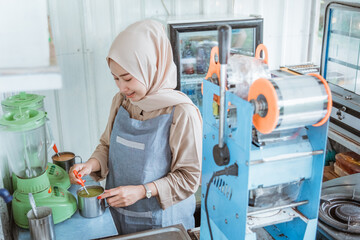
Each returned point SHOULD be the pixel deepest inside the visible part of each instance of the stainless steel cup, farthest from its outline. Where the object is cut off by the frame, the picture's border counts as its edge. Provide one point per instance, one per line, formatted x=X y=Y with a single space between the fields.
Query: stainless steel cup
x=90 y=207
x=42 y=227
x=68 y=162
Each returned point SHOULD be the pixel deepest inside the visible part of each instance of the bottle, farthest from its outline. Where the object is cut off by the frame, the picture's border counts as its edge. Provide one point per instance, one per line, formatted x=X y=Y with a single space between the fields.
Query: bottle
x=201 y=61
x=188 y=60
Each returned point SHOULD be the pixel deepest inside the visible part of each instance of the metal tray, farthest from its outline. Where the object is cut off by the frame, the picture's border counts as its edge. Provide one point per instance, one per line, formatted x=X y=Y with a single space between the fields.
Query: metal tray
x=175 y=232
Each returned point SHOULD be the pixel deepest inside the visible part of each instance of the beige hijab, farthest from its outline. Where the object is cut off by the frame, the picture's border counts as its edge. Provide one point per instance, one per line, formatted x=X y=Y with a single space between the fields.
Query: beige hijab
x=144 y=51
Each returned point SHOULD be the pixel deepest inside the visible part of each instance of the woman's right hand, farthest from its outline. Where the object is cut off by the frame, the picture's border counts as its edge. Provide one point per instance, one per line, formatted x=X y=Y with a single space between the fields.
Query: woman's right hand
x=82 y=168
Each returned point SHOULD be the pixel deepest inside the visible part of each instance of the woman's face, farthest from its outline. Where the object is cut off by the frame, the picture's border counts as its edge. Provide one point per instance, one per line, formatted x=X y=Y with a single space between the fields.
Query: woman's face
x=128 y=85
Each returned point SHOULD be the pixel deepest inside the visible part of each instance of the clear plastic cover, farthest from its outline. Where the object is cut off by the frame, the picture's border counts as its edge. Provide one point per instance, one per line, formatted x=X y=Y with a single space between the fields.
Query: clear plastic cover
x=242 y=71
x=341 y=56
x=286 y=135
x=278 y=195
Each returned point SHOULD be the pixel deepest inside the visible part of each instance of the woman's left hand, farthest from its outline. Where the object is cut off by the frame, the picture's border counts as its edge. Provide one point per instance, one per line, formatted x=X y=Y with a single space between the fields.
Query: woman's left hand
x=124 y=195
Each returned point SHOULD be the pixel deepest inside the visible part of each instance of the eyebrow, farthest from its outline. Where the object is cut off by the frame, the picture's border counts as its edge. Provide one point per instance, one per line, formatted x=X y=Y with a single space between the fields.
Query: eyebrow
x=122 y=75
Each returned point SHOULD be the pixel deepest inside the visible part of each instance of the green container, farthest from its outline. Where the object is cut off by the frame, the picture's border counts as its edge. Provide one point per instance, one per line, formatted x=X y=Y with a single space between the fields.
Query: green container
x=26 y=142
x=22 y=102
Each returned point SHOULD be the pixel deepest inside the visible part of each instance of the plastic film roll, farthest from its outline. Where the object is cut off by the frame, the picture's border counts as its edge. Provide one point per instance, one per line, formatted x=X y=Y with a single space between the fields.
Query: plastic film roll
x=242 y=71
x=290 y=102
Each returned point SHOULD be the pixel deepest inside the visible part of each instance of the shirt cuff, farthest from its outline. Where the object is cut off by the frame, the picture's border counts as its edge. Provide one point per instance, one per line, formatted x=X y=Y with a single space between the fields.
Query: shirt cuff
x=164 y=191
x=100 y=175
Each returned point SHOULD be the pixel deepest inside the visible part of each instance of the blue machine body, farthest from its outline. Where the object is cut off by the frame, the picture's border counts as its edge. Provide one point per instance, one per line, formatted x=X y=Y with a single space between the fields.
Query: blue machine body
x=228 y=196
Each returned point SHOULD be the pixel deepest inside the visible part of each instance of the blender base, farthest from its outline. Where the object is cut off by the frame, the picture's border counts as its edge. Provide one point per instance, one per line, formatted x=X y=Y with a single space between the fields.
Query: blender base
x=62 y=202
x=57 y=176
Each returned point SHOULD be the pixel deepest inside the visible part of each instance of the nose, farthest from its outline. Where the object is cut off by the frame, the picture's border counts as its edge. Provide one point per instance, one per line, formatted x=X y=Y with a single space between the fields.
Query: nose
x=123 y=86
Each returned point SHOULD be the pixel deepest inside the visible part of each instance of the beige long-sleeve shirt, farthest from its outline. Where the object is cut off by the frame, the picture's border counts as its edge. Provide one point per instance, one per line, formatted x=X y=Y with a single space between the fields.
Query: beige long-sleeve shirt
x=185 y=143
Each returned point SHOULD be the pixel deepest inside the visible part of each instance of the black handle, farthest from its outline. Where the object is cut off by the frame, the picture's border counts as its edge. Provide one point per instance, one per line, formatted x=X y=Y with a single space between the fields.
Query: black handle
x=224 y=38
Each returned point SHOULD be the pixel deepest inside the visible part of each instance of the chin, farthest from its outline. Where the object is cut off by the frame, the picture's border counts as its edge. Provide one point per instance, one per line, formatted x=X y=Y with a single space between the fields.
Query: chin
x=133 y=99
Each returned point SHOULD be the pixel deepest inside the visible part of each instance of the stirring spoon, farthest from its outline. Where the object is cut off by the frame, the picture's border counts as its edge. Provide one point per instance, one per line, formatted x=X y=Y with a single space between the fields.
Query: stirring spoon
x=56 y=150
x=80 y=180
x=33 y=205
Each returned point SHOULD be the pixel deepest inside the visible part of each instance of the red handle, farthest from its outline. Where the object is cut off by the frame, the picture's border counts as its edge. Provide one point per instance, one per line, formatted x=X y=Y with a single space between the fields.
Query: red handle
x=55 y=148
x=78 y=176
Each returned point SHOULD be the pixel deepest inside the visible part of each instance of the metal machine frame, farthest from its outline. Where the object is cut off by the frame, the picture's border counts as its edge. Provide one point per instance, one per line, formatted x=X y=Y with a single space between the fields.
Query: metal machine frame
x=228 y=196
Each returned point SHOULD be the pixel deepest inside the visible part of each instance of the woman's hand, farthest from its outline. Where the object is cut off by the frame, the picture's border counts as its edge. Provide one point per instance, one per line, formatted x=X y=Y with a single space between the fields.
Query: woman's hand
x=92 y=165
x=82 y=168
x=124 y=195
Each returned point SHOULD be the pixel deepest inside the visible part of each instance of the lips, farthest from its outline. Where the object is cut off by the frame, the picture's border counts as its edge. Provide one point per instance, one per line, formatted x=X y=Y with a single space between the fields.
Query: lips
x=131 y=95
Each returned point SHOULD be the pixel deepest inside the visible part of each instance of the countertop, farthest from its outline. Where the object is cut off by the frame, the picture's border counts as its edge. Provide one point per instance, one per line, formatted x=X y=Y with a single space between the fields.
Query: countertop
x=78 y=227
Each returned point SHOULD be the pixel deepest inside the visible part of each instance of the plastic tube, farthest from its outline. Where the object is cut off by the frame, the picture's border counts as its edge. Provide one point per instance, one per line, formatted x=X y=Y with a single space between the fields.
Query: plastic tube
x=4 y=193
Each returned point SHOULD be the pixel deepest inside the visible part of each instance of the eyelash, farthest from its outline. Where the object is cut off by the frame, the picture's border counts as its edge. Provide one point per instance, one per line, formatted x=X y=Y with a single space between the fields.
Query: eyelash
x=126 y=80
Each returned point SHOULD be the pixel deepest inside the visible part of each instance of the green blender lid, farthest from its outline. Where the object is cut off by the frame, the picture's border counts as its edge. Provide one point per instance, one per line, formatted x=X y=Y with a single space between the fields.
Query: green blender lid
x=27 y=120
x=23 y=101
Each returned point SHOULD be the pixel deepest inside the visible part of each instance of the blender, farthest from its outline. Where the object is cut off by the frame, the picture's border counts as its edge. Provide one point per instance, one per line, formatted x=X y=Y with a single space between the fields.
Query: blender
x=26 y=144
x=25 y=101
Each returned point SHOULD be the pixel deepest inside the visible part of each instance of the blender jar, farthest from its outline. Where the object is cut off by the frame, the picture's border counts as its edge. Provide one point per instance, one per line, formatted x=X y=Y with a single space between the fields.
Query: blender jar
x=22 y=102
x=25 y=142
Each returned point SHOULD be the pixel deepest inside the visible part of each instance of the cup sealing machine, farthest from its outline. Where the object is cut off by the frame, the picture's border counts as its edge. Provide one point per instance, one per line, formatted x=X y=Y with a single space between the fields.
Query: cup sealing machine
x=263 y=158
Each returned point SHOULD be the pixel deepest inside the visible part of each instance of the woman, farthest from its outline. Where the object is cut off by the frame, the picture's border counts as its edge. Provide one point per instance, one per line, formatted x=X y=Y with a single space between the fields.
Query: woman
x=150 y=152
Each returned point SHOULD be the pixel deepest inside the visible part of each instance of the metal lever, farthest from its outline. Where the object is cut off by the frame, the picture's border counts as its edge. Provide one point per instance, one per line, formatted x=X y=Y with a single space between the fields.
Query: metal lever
x=221 y=151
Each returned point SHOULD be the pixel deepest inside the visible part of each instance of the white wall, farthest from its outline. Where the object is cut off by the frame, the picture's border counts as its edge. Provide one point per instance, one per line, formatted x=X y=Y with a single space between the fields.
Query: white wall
x=24 y=43
x=286 y=28
x=84 y=29
x=23 y=34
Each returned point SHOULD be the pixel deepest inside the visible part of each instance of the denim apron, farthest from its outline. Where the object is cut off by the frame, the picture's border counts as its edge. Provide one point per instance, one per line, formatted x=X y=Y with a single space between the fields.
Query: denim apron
x=139 y=153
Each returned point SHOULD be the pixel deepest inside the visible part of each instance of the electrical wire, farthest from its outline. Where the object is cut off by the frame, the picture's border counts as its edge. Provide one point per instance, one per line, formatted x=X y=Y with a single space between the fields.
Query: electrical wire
x=206 y=209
